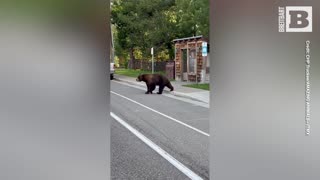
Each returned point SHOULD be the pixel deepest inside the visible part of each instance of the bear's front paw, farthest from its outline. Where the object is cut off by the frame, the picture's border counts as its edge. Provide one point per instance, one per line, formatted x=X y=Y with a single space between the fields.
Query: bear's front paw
x=147 y=92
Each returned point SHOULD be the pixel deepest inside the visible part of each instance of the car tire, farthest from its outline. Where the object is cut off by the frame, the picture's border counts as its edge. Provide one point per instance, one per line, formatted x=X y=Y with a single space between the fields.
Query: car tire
x=111 y=76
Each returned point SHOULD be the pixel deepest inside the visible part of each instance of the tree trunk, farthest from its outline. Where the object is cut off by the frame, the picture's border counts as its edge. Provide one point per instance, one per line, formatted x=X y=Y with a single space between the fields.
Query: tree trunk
x=132 y=59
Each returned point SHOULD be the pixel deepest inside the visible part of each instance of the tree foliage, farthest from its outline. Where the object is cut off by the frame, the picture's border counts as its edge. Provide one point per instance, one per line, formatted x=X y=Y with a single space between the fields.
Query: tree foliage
x=142 y=24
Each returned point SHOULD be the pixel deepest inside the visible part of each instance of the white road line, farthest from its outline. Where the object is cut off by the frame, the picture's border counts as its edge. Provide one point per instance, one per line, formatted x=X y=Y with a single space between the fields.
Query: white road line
x=185 y=170
x=171 y=118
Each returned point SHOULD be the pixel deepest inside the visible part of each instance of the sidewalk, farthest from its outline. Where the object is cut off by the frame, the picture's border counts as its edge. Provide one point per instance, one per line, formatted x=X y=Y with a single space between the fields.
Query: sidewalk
x=179 y=90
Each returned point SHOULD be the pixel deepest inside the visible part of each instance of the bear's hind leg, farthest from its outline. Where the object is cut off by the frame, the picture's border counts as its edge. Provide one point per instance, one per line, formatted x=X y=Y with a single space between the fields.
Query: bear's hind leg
x=170 y=86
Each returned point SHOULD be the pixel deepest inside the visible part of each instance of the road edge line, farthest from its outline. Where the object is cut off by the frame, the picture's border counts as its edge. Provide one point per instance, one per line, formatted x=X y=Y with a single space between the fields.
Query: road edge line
x=185 y=170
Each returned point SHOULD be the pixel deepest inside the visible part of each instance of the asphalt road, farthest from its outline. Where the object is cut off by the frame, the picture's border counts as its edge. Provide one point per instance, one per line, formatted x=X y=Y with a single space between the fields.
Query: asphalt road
x=179 y=128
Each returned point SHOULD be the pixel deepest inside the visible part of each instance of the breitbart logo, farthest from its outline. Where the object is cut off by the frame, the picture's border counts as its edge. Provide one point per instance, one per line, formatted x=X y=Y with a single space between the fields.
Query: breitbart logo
x=295 y=19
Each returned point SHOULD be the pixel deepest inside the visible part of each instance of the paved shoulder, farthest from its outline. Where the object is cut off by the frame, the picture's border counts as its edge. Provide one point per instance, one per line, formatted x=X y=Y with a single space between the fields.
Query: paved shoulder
x=133 y=159
x=157 y=116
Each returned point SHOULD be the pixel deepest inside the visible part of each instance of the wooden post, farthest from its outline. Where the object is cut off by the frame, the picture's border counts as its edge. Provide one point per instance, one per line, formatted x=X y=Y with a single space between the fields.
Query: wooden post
x=175 y=56
x=196 y=58
x=188 y=61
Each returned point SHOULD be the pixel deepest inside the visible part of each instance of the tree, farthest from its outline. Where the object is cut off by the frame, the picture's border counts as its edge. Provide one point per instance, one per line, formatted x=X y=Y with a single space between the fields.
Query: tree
x=125 y=17
x=192 y=17
x=142 y=24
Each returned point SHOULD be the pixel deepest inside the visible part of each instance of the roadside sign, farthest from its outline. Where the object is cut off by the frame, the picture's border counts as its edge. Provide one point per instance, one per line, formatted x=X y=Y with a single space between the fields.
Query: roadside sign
x=152 y=60
x=204 y=49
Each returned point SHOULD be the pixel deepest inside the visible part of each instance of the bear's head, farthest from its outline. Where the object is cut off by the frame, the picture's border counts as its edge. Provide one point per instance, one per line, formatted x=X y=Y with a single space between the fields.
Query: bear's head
x=139 y=78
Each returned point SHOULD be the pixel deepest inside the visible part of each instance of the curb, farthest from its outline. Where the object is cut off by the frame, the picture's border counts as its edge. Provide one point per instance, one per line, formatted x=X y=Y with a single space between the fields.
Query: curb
x=179 y=94
x=175 y=93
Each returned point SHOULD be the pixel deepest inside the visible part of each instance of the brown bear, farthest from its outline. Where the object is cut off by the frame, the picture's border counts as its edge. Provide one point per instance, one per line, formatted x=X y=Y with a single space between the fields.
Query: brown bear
x=152 y=80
